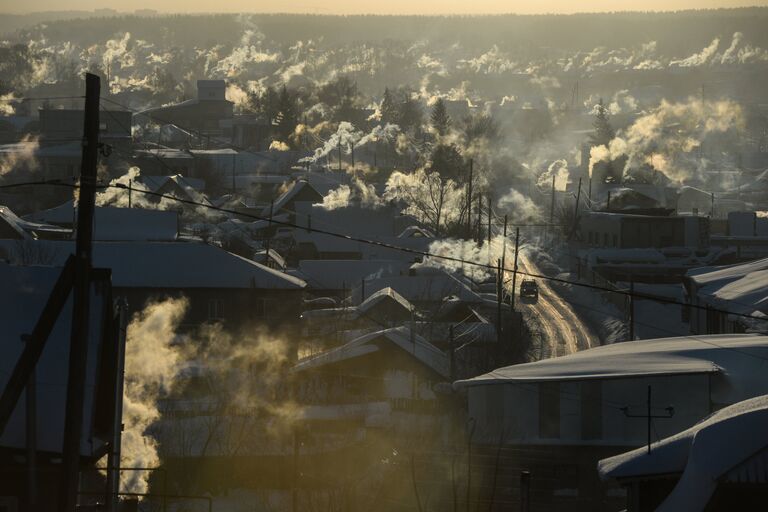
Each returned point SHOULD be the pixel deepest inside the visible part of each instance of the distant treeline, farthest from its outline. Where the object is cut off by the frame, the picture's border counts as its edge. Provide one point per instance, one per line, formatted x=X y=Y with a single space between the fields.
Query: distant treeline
x=675 y=33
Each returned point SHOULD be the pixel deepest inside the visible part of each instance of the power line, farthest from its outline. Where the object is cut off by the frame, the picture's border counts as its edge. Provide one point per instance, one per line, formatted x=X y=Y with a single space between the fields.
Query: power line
x=388 y=245
x=41 y=98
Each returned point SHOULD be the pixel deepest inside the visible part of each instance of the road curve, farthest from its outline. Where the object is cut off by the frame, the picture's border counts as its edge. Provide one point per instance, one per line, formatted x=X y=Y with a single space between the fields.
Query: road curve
x=555 y=327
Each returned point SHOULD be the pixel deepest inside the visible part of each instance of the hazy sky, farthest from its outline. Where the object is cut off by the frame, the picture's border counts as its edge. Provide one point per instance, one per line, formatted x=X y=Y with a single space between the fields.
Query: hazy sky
x=380 y=7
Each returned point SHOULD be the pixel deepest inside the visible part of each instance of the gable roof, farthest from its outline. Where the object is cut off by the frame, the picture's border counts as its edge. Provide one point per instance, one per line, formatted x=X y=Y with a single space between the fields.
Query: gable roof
x=402 y=337
x=142 y=264
x=380 y=296
x=739 y=288
x=289 y=195
x=722 y=446
x=664 y=356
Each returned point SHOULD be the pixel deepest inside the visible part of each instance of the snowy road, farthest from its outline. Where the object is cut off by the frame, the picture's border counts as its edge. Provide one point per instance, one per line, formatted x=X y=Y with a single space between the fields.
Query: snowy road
x=557 y=330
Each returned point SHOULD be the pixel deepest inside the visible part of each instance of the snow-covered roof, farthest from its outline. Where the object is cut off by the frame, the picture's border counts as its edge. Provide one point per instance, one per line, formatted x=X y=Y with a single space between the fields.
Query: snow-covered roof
x=26 y=228
x=185 y=265
x=741 y=288
x=64 y=214
x=155 y=183
x=383 y=295
x=338 y=274
x=717 y=448
x=141 y=264
x=415 y=231
x=370 y=343
x=664 y=356
x=112 y=223
x=422 y=288
x=286 y=197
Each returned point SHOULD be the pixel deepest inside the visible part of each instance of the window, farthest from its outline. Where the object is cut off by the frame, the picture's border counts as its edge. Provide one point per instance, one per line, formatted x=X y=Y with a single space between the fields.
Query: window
x=605 y=239
x=549 y=410
x=615 y=241
x=215 y=309
x=591 y=410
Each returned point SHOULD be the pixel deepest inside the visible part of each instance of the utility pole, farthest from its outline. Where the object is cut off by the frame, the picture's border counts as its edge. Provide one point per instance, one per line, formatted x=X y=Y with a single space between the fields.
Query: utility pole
x=479 y=218
x=514 y=269
x=631 y=309
x=352 y=156
x=31 y=437
x=504 y=247
x=81 y=290
x=499 y=289
x=552 y=208
x=130 y=191
x=576 y=212
x=234 y=167
x=339 y=153
x=113 y=457
x=489 y=221
x=608 y=204
x=649 y=416
x=452 y=352
x=469 y=201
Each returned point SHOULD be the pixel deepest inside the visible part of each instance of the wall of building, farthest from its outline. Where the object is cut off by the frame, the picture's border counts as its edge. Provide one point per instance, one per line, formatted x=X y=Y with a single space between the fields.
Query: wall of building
x=567 y=413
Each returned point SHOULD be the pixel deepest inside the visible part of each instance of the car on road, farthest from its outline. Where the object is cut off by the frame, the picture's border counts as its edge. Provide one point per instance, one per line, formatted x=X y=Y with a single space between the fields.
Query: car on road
x=529 y=289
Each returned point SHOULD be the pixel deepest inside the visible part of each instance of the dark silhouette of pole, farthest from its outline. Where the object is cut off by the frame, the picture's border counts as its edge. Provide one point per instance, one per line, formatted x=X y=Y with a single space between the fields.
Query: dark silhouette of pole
x=489 y=219
x=31 y=438
x=525 y=490
x=234 y=170
x=649 y=416
x=78 y=347
x=499 y=291
x=631 y=309
x=576 y=212
x=514 y=268
x=113 y=457
x=552 y=207
x=469 y=200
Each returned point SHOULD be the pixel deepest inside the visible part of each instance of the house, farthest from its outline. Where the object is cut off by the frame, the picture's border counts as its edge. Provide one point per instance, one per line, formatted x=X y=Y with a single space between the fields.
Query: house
x=746 y=234
x=300 y=190
x=220 y=286
x=14 y=228
x=727 y=299
x=209 y=115
x=115 y=224
x=372 y=381
x=324 y=327
x=560 y=416
x=628 y=231
x=717 y=464
x=24 y=294
x=425 y=288
x=66 y=125
x=189 y=189
x=336 y=277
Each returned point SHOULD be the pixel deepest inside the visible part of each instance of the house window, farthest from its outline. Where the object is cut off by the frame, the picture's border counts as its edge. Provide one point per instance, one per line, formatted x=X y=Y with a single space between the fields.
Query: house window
x=215 y=310
x=591 y=410
x=549 y=410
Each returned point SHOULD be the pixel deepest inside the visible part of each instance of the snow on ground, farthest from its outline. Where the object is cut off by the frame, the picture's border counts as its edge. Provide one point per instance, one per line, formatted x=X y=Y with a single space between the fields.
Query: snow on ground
x=604 y=319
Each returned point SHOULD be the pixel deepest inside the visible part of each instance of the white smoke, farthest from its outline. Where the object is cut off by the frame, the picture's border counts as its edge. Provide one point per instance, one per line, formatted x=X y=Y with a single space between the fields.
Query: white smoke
x=359 y=192
x=557 y=170
x=153 y=360
x=665 y=137
x=520 y=207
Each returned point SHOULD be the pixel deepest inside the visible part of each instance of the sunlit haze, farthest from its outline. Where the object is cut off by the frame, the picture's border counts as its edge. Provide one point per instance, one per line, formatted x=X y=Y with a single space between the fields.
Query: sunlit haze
x=388 y=7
